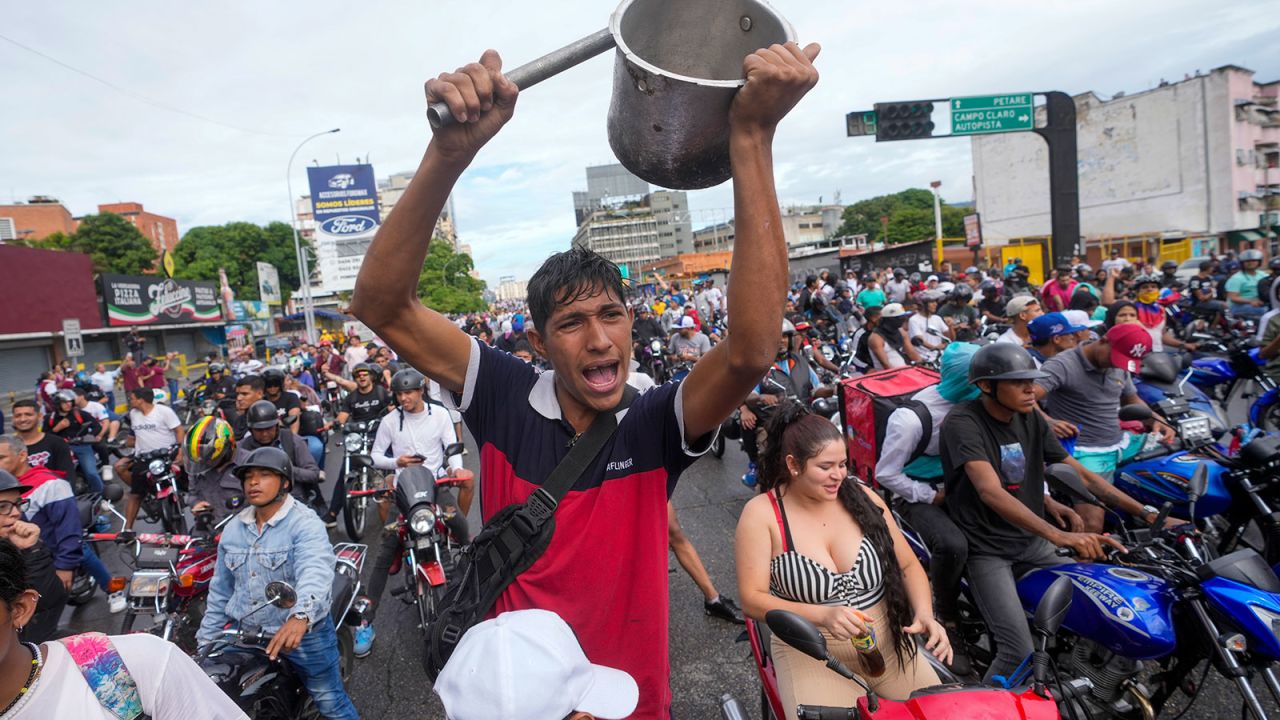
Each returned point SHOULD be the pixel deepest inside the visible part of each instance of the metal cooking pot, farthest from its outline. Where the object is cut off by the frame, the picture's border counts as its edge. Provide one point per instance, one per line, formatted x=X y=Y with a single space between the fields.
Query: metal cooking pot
x=677 y=67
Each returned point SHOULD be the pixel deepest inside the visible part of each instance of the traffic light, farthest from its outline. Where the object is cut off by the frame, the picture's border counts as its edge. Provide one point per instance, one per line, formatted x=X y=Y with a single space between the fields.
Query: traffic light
x=904 y=120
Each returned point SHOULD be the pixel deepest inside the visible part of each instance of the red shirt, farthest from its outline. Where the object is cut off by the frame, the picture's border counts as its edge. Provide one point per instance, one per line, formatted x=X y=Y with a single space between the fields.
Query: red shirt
x=1055 y=297
x=129 y=377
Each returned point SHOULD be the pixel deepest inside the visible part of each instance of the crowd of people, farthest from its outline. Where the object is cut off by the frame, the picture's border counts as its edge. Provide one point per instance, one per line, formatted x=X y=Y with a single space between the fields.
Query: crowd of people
x=532 y=382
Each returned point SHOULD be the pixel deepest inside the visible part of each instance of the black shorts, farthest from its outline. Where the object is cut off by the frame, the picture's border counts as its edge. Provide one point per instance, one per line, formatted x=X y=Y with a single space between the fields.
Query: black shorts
x=140 y=482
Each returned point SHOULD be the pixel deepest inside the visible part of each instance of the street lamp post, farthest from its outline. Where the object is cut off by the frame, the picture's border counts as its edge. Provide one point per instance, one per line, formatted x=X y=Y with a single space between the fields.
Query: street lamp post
x=304 y=270
x=937 y=219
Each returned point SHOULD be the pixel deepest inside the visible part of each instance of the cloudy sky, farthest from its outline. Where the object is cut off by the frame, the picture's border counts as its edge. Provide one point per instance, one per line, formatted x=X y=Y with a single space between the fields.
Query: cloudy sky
x=197 y=106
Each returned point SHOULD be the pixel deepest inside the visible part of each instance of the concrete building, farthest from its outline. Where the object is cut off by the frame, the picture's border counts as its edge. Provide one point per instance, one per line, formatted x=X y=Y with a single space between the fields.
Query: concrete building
x=621 y=219
x=806 y=225
x=392 y=189
x=714 y=238
x=35 y=219
x=160 y=230
x=509 y=288
x=1191 y=162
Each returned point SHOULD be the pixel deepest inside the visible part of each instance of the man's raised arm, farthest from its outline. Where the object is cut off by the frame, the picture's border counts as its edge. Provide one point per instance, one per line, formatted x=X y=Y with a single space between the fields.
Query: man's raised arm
x=777 y=77
x=386 y=292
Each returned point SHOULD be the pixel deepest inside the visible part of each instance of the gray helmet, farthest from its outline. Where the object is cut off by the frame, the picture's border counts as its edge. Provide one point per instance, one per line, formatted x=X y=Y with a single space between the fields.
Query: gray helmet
x=64 y=396
x=364 y=367
x=262 y=415
x=267 y=458
x=961 y=292
x=1084 y=269
x=1250 y=255
x=787 y=327
x=1003 y=361
x=1146 y=279
x=407 y=379
x=1168 y=265
x=216 y=367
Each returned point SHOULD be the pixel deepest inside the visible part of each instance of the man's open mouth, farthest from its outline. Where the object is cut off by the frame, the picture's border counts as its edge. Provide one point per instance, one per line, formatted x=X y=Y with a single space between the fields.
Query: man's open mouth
x=601 y=376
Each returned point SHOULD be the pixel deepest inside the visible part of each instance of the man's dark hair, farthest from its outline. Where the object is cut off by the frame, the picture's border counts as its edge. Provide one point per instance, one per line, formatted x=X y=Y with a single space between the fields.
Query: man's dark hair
x=523 y=346
x=253 y=381
x=568 y=276
x=146 y=395
x=25 y=404
x=79 y=391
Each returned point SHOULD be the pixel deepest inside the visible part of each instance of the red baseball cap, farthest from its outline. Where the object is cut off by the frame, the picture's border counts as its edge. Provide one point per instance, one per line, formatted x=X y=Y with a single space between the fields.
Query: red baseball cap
x=1130 y=342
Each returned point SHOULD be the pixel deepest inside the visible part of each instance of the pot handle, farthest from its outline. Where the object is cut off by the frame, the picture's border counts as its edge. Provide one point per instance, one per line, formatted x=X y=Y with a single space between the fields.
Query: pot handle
x=535 y=71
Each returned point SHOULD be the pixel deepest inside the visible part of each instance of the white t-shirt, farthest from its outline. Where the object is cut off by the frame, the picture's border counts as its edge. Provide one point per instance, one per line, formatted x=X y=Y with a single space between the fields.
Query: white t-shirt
x=1009 y=336
x=155 y=429
x=106 y=380
x=170 y=685
x=716 y=297
x=425 y=433
x=355 y=355
x=919 y=326
x=96 y=409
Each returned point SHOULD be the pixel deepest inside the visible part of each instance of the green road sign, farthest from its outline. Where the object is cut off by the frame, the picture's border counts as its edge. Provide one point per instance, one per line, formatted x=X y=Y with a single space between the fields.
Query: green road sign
x=862 y=122
x=992 y=114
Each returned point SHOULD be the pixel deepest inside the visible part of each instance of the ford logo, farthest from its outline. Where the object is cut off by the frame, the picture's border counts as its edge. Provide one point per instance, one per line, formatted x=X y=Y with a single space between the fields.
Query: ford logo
x=347 y=225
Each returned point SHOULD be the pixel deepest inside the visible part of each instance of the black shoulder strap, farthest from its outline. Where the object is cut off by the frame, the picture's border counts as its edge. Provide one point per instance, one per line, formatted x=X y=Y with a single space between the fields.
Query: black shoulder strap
x=544 y=500
x=926 y=424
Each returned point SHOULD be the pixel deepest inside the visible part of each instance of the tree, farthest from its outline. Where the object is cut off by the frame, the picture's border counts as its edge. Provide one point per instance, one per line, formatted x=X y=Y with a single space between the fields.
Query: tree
x=445 y=283
x=910 y=214
x=238 y=247
x=113 y=243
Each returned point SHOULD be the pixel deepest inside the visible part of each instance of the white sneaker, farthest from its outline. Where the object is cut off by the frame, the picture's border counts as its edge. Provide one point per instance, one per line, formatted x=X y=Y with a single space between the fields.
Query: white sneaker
x=116 y=602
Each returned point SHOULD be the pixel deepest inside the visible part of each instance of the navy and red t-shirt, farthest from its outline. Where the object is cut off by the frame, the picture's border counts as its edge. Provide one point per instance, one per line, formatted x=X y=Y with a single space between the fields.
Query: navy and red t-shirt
x=605 y=571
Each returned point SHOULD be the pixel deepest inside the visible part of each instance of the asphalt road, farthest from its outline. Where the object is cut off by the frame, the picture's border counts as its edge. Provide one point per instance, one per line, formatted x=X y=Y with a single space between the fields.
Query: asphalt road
x=707 y=659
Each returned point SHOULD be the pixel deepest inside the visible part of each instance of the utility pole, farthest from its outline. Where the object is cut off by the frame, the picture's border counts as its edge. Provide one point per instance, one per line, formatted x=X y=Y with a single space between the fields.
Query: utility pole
x=937 y=219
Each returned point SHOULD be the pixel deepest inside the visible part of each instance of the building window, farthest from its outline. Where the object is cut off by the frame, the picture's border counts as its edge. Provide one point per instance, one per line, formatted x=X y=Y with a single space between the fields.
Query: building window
x=8 y=232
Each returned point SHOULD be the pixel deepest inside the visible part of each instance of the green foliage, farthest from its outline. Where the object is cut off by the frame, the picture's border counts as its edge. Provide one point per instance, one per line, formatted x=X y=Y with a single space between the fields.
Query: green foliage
x=445 y=285
x=113 y=243
x=237 y=247
x=910 y=214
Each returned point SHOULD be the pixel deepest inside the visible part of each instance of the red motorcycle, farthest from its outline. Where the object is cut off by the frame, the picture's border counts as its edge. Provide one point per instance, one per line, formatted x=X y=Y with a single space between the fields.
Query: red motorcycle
x=951 y=700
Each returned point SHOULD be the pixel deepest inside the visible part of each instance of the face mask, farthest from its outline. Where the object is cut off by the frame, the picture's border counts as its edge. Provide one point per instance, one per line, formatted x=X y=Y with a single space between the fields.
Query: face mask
x=1147 y=297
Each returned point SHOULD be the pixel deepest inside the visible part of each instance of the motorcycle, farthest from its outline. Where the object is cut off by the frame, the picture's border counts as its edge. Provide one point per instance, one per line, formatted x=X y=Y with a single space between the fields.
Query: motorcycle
x=951 y=699
x=1141 y=625
x=170 y=582
x=431 y=536
x=331 y=400
x=83 y=585
x=266 y=688
x=653 y=360
x=358 y=474
x=164 y=505
x=1221 y=377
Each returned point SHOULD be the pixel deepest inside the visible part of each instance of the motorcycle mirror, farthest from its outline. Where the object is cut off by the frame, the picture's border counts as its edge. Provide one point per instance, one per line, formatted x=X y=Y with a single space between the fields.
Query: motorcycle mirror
x=1138 y=413
x=113 y=492
x=281 y=594
x=454 y=449
x=1198 y=482
x=797 y=632
x=1053 y=606
x=1064 y=478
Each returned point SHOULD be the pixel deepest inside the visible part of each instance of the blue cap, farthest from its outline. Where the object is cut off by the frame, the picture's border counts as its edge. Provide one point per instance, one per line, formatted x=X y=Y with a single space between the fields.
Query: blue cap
x=1051 y=325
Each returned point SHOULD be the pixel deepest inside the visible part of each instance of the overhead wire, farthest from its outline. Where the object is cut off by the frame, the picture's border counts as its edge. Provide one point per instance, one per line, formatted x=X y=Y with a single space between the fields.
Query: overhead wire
x=138 y=96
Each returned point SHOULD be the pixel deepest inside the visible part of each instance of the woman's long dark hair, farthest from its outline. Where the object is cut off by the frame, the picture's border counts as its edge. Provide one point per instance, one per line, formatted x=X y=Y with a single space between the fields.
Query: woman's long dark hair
x=794 y=431
x=13 y=572
x=1114 y=309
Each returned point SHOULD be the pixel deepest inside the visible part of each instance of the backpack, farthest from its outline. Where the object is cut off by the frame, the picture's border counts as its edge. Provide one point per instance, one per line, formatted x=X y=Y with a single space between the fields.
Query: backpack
x=866 y=403
x=106 y=674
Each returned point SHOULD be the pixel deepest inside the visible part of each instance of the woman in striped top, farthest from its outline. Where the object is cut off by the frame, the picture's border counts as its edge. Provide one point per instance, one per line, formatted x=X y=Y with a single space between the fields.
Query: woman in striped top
x=824 y=546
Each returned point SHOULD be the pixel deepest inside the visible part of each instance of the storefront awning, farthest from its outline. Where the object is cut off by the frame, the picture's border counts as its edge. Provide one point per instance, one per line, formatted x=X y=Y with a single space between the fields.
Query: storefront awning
x=1245 y=236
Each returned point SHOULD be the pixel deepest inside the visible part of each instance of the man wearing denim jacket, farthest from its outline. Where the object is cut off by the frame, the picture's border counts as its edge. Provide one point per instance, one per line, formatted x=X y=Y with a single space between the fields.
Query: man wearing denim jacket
x=276 y=539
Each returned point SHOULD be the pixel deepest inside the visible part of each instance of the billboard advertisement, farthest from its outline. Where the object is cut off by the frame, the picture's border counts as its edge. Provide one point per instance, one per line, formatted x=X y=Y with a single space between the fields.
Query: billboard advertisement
x=151 y=300
x=268 y=283
x=344 y=201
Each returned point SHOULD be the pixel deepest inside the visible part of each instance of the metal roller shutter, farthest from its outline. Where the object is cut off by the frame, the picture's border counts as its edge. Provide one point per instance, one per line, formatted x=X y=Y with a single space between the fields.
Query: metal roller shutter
x=20 y=368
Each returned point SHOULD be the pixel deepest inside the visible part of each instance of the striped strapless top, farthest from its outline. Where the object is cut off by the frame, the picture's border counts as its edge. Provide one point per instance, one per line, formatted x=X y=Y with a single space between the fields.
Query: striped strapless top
x=796 y=577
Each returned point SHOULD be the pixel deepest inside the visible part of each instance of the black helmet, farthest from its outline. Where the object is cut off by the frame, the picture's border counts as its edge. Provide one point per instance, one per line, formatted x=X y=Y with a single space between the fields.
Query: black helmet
x=1274 y=265
x=262 y=415
x=273 y=377
x=363 y=367
x=267 y=458
x=1003 y=361
x=407 y=379
x=1168 y=265
x=961 y=292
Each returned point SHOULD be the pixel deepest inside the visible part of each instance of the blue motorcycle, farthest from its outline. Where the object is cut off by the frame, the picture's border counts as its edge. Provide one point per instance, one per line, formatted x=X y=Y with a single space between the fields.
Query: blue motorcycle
x=1236 y=365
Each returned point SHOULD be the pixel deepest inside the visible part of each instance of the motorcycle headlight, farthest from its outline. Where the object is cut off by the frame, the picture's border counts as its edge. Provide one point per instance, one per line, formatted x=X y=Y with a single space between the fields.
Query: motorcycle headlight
x=655 y=345
x=352 y=443
x=422 y=520
x=156 y=467
x=1271 y=619
x=144 y=584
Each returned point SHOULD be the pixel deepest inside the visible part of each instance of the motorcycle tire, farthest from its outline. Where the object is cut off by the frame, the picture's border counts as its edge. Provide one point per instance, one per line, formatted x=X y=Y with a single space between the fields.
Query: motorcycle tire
x=717 y=445
x=82 y=589
x=346 y=653
x=172 y=519
x=355 y=512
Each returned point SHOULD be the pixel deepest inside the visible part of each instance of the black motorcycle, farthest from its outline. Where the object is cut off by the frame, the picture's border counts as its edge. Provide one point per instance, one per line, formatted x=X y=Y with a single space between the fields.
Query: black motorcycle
x=89 y=506
x=359 y=475
x=164 y=504
x=269 y=689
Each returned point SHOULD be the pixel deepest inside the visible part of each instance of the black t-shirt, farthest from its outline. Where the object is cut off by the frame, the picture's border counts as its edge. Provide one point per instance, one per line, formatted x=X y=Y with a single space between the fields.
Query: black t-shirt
x=82 y=424
x=51 y=452
x=224 y=386
x=1018 y=450
x=362 y=407
x=961 y=314
x=995 y=306
x=286 y=402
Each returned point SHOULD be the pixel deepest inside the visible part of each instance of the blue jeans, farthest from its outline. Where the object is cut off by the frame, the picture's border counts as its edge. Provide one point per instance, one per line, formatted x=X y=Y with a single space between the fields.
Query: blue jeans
x=1247 y=310
x=316 y=662
x=111 y=401
x=88 y=460
x=173 y=390
x=93 y=564
x=316 y=446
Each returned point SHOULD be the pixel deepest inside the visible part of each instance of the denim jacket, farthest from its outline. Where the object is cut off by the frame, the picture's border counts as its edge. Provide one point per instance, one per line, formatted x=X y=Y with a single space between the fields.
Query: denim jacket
x=293 y=546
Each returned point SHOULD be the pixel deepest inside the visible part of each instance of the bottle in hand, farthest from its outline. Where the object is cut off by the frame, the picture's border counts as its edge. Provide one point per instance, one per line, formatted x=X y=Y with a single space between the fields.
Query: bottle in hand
x=872 y=660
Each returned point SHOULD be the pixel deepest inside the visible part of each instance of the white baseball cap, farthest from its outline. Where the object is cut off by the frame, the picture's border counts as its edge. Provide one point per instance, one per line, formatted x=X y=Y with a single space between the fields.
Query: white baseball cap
x=893 y=310
x=687 y=322
x=528 y=664
x=1081 y=318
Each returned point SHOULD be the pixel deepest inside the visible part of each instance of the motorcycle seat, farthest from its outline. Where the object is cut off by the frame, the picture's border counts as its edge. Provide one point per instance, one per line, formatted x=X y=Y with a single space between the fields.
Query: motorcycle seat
x=343 y=591
x=1169 y=389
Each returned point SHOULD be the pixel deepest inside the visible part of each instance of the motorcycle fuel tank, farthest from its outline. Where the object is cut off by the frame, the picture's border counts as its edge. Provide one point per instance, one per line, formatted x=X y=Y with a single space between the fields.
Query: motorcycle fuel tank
x=1124 y=610
x=1164 y=479
x=964 y=701
x=1211 y=371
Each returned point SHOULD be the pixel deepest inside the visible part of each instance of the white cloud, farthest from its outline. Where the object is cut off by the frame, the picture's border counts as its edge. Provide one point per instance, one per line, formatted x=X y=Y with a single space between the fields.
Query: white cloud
x=286 y=70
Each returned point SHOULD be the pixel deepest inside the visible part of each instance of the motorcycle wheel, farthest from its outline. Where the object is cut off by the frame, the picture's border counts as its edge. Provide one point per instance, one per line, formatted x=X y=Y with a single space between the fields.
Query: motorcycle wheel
x=1269 y=418
x=172 y=519
x=717 y=445
x=346 y=652
x=355 y=513
x=151 y=510
x=82 y=589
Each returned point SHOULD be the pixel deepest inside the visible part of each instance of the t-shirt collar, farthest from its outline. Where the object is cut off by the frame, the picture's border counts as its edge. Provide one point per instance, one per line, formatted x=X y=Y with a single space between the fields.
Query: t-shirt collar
x=542 y=398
